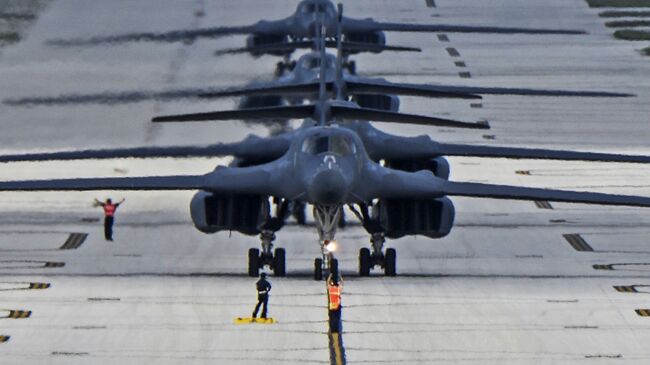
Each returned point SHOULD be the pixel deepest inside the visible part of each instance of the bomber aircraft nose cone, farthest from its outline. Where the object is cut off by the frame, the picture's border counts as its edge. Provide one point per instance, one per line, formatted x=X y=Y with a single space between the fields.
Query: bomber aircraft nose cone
x=328 y=187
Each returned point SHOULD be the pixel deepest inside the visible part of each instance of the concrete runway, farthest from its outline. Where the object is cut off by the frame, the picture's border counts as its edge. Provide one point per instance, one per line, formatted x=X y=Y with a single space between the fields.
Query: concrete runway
x=512 y=284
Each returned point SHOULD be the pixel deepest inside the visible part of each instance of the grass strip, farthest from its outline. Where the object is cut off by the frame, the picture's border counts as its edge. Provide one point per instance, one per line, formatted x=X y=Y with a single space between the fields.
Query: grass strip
x=625 y=14
x=628 y=23
x=646 y=51
x=632 y=35
x=10 y=37
x=619 y=3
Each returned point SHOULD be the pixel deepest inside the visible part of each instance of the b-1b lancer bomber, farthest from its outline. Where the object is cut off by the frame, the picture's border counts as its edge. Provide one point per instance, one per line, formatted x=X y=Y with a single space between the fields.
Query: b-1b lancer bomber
x=395 y=185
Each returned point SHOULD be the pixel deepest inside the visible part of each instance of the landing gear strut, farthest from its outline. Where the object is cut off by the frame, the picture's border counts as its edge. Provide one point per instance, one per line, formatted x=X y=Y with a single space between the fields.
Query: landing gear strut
x=327 y=218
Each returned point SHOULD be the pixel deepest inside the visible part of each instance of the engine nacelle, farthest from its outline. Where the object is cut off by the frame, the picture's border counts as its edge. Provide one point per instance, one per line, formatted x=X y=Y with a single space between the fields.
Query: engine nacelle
x=256 y=40
x=404 y=217
x=378 y=38
x=439 y=166
x=242 y=213
x=378 y=101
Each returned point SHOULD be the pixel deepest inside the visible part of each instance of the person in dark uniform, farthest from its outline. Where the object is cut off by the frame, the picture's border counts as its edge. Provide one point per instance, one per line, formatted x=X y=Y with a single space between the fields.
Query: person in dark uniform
x=263 y=289
x=109 y=214
x=334 y=289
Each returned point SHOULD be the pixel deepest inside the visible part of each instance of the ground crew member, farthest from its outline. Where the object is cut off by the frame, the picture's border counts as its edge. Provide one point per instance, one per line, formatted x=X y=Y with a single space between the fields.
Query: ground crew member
x=334 y=289
x=109 y=213
x=263 y=289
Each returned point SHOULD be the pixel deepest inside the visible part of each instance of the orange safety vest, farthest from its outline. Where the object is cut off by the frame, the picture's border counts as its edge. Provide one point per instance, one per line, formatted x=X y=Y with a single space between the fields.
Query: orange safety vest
x=334 y=294
x=109 y=209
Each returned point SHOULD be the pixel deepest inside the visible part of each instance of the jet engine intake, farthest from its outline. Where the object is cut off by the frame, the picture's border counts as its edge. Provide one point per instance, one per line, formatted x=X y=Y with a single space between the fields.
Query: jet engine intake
x=242 y=213
x=378 y=38
x=404 y=217
x=378 y=101
x=256 y=40
x=438 y=165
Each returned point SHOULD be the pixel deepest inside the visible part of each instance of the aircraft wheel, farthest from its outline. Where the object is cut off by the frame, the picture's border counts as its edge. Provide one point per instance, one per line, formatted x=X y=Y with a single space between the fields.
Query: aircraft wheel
x=334 y=266
x=318 y=269
x=364 y=262
x=253 y=262
x=352 y=67
x=279 y=69
x=279 y=268
x=390 y=262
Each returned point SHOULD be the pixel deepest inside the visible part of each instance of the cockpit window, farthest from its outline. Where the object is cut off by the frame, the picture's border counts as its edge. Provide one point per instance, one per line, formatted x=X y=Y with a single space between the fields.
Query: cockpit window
x=313 y=62
x=339 y=145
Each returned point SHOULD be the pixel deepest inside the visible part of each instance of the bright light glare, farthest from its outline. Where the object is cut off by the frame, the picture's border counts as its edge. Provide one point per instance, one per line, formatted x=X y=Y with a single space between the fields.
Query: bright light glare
x=331 y=246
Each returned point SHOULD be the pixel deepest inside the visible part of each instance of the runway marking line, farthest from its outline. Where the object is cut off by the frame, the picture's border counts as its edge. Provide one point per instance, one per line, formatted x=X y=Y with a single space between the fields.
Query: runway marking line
x=337 y=351
x=643 y=312
x=54 y=264
x=18 y=314
x=4 y=338
x=74 y=241
x=39 y=285
x=543 y=204
x=577 y=242
x=626 y=289
x=453 y=52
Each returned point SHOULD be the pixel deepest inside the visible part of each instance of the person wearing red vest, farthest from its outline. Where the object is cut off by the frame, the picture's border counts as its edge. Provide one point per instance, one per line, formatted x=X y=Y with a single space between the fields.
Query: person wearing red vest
x=334 y=289
x=109 y=214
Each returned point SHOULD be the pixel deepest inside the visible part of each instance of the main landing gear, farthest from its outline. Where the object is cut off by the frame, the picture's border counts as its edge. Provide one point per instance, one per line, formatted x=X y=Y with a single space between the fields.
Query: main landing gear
x=368 y=260
x=276 y=260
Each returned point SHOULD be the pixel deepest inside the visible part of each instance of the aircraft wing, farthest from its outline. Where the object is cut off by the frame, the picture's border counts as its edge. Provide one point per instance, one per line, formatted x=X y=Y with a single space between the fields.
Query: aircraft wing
x=491 y=191
x=181 y=35
x=189 y=182
x=138 y=152
x=423 y=184
x=225 y=180
x=533 y=153
x=358 y=25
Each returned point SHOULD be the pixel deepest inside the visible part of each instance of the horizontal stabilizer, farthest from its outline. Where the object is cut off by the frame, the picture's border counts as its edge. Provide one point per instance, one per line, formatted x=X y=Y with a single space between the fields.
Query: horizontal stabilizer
x=266 y=89
x=535 y=153
x=521 y=193
x=400 y=27
x=289 y=47
x=351 y=113
x=138 y=152
x=172 y=36
x=280 y=112
x=189 y=182
x=371 y=87
x=453 y=89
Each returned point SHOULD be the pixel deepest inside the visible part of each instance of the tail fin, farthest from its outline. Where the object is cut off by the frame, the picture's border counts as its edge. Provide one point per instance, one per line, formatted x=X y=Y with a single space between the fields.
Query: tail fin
x=339 y=54
x=322 y=97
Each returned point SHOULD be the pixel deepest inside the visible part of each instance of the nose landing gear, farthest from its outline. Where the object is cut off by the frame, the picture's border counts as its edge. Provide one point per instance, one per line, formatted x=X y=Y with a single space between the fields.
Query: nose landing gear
x=327 y=218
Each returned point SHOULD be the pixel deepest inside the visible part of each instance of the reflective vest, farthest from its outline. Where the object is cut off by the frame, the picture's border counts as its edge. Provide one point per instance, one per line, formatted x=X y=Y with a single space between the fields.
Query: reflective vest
x=334 y=293
x=109 y=209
